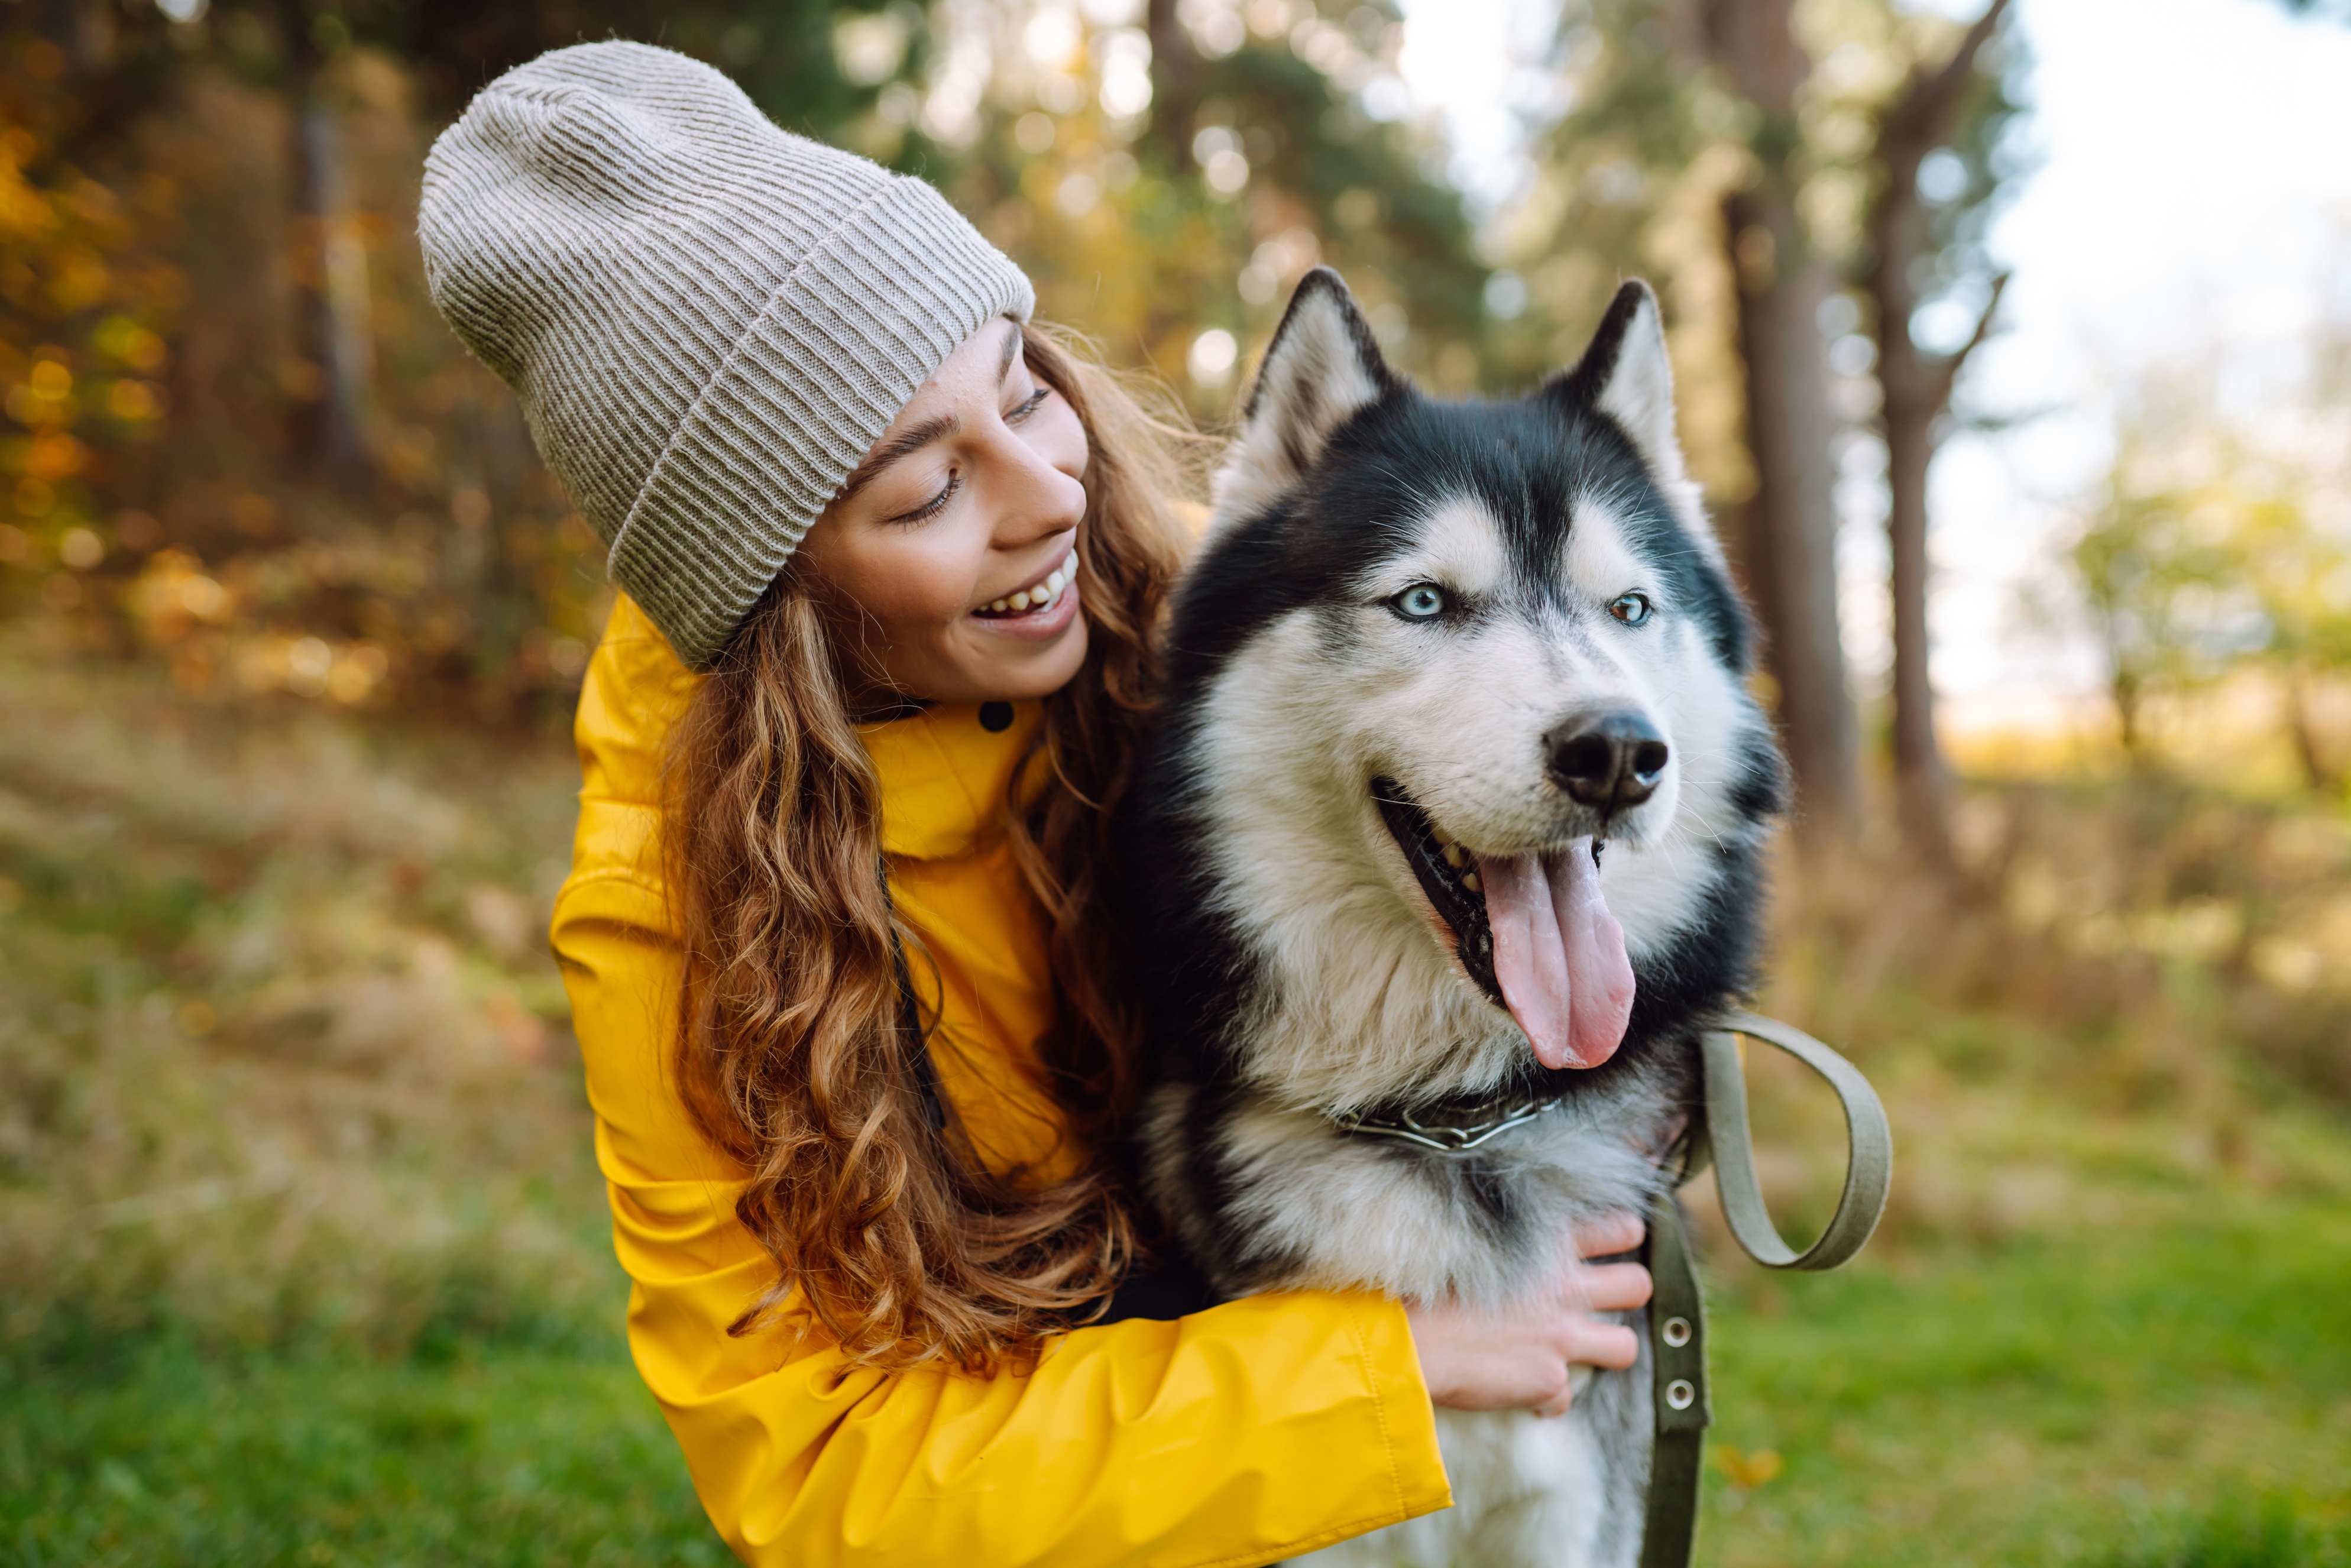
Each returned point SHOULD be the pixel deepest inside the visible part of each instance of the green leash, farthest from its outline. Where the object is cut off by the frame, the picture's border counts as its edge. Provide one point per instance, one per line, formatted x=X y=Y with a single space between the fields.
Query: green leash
x=1677 y=1310
x=1678 y=1391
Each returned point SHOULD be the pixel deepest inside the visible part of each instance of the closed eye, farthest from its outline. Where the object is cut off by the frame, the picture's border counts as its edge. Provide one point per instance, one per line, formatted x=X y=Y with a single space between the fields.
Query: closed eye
x=932 y=508
x=1027 y=406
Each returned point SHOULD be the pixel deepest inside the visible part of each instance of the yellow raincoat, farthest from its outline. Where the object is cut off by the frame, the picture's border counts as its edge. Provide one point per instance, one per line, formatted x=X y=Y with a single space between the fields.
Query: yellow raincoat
x=1251 y=1432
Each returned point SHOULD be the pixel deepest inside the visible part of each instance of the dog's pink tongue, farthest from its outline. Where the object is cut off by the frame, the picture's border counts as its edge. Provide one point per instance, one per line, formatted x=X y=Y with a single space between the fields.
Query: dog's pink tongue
x=1559 y=955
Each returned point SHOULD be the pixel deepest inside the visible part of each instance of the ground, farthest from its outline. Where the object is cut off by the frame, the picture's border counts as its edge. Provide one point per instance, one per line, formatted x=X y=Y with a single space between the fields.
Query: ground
x=2171 y=1398
x=302 y=1258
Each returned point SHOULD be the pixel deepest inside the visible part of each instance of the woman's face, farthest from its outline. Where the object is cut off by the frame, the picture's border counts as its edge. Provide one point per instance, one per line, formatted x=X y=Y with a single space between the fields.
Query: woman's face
x=956 y=536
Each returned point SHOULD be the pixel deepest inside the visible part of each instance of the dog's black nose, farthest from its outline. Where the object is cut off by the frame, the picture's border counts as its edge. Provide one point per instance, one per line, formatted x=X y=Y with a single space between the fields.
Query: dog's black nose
x=1610 y=760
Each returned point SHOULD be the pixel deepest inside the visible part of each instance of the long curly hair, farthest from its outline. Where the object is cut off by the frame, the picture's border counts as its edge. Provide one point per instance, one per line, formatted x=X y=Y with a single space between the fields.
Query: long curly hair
x=794 y=1054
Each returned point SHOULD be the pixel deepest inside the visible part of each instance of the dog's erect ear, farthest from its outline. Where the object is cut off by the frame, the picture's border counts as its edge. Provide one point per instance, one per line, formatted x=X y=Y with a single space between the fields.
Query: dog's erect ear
x=1323 y=366
x=1625 y=374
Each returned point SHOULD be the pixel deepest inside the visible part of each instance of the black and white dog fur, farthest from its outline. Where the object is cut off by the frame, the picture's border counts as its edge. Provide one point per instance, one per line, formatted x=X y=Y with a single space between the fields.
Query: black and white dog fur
x=1423 y=641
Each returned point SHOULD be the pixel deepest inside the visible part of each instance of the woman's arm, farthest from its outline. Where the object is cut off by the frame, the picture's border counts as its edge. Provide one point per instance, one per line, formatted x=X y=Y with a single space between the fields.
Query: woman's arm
x=1245 y=1434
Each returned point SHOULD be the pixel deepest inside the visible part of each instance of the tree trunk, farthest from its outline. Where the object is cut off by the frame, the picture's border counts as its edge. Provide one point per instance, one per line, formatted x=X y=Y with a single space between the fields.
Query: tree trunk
x=93 y=51
x=1917 y=392
x=1175 y=81
x=2323 y=776
x=1787 y=544
x=332 y=333
x=1921 y=786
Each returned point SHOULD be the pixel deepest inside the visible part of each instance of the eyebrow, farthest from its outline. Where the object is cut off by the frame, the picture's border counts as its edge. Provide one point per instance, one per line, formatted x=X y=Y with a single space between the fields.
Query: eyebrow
x=922 y=432
x=913 y=438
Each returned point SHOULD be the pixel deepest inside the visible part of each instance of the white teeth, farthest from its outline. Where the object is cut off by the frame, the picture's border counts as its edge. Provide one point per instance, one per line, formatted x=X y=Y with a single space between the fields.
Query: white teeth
x=1455 y=856
x=1470 y=880
x=1043 y=593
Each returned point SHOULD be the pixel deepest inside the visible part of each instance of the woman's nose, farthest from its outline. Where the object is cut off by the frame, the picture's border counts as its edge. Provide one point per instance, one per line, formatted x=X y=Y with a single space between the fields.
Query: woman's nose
x=1039 y=499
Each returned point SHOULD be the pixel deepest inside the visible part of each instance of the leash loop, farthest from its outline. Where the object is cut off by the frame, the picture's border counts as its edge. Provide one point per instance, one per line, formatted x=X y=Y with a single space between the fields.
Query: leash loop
x=1679 y=1396
x=1869 y=1165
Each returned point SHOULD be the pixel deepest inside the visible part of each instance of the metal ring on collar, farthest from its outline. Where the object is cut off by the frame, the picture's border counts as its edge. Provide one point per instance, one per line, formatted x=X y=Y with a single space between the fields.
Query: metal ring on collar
x=1446 y=1137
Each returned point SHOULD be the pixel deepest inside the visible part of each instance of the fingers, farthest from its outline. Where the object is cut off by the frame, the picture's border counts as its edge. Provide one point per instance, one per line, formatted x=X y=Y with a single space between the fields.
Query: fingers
x=1619 y=1232
x=1530 y=1353
x=1611 y=1287
x=1595 y=1344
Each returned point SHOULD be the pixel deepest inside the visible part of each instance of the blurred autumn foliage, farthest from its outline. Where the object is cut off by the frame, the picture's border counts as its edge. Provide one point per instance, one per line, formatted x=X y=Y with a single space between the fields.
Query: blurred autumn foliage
x=87 y=295
x=239 y=440
x=242 y=442
x=163 y=498
x=2214 y=555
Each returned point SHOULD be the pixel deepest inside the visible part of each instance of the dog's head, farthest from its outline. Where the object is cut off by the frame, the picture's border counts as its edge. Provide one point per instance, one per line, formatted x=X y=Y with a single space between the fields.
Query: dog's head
x=1482 y=659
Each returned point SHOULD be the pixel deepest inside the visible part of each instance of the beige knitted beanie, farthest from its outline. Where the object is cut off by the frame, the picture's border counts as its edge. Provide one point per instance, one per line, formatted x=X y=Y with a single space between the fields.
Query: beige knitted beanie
x=709 y=321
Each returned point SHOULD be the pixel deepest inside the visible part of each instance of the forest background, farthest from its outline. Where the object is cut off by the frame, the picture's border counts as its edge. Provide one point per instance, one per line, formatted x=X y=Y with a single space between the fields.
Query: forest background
x=301 y=1249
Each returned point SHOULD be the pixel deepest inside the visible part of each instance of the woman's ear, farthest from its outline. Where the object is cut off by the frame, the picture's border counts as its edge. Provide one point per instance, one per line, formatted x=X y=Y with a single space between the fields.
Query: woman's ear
x=1323 y=367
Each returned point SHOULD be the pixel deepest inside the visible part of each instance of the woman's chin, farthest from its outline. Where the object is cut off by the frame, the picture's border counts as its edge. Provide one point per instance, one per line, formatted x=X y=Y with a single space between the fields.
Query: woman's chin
x=1018 y=656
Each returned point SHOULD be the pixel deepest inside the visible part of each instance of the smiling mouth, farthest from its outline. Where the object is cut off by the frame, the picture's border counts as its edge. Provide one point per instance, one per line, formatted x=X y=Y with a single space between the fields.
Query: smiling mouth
x=1039 y=595
x=1448 y=875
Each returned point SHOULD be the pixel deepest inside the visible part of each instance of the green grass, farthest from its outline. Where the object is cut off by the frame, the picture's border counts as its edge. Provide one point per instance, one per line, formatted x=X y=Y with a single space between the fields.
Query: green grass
x=2146 y=1397
x=2167 y=1395
x=2268 y=1533
x=292 y=960
x=505 y=1457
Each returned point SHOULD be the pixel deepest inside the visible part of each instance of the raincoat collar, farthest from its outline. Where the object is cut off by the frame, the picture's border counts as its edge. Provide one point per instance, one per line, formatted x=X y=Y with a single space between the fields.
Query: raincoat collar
x=945 y=774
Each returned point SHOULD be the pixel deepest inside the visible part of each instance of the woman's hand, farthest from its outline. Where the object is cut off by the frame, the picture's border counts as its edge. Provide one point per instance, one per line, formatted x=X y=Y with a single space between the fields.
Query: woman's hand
x=1519 y=1360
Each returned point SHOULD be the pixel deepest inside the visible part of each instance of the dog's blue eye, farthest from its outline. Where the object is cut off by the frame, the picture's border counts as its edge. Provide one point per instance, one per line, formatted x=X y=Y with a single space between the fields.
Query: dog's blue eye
x=1632 y=609
x=1421 y=601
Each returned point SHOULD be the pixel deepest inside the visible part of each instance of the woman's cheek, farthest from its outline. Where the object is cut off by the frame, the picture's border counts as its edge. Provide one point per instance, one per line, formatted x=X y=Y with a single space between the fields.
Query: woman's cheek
x=895 y=580
x=942 y=575
x=932 y=592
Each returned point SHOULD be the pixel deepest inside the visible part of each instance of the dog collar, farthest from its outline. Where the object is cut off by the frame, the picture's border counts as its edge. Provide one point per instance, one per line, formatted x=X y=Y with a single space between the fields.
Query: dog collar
x=1450 y=1126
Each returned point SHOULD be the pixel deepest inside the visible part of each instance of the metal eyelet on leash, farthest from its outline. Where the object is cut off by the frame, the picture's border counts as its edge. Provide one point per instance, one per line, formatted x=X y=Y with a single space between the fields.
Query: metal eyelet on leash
x=1677 y=1311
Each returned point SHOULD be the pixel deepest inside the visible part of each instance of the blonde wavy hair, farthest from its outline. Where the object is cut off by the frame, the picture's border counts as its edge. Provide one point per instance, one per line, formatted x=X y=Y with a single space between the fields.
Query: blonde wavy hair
x=793 y=1053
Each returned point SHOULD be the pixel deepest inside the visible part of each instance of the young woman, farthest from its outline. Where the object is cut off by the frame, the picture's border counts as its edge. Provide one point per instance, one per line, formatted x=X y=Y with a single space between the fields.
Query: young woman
x=835 y=934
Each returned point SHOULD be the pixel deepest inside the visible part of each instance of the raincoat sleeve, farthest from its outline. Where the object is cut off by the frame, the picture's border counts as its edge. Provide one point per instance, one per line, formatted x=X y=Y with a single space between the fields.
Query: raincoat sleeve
x=1255 y=1431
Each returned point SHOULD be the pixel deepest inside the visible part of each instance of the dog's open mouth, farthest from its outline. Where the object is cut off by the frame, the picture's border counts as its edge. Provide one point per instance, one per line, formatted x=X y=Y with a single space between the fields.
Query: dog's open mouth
x=1449 y=875
x=1531 y=931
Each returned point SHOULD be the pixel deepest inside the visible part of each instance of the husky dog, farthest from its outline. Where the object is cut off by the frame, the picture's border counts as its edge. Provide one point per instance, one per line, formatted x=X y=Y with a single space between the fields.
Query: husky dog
x=1446 y=849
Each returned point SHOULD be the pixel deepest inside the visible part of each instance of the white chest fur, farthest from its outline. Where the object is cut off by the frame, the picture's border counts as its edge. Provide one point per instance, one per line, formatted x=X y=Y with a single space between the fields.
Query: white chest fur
x=1528 y=1492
